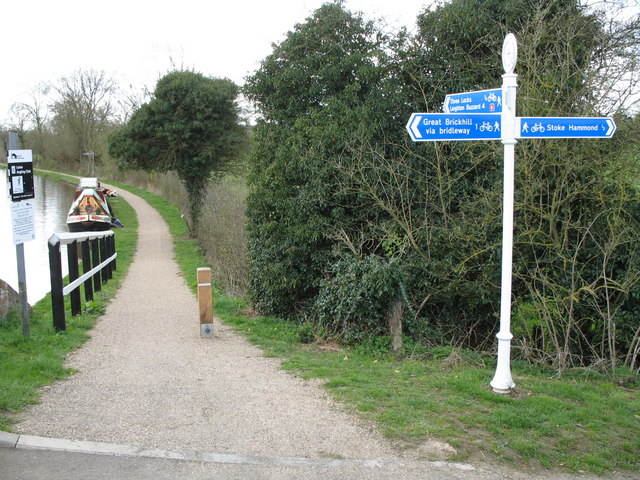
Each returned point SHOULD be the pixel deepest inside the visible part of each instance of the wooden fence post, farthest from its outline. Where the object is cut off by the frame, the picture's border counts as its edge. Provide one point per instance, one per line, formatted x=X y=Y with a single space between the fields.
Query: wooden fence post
x=57 y=298
x=112 y=250
x=105 y=272
x=205 y=302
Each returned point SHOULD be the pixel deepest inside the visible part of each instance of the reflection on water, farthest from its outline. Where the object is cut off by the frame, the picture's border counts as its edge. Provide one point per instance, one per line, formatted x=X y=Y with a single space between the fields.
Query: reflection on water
x=52 y=202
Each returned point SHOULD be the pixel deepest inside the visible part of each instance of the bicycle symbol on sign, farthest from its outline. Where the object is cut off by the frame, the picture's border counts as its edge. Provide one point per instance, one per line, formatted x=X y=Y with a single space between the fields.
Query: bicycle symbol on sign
x=492 y=97
x=489 y=127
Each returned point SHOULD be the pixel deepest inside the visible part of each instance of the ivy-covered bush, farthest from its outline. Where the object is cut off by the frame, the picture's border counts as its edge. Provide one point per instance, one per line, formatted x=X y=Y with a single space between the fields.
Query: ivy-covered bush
x=308 y=91
x=354 y=300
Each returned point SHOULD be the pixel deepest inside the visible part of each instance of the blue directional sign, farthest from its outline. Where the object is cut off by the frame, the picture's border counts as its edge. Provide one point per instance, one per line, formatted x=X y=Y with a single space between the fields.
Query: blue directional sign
x=566 y=127
x=481 y=101
x=432 y=127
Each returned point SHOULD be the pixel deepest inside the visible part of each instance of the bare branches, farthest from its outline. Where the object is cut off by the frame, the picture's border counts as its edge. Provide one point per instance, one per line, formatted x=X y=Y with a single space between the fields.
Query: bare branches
x=85 y=106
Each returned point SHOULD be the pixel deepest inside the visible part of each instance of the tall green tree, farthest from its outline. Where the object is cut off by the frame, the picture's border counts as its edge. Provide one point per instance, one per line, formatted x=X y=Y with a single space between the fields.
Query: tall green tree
x=308 y=92
x=190 y=126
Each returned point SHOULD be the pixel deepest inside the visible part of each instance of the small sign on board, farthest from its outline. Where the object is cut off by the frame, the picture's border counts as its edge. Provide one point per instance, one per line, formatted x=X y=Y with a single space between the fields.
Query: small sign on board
x=22 y=192
x=20 y=169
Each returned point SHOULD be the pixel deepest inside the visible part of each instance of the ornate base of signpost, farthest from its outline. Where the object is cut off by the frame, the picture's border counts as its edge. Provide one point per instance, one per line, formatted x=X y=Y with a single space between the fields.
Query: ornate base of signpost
x=502 y=381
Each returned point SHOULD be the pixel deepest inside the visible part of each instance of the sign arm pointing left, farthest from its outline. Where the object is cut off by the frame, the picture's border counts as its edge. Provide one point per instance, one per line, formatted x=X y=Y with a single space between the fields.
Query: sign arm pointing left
x=414 y=126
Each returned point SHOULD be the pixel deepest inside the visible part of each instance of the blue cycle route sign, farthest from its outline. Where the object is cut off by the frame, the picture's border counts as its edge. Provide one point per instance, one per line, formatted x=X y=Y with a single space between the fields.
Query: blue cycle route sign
x=432 y=127
x=481 y=101
x=566 y=127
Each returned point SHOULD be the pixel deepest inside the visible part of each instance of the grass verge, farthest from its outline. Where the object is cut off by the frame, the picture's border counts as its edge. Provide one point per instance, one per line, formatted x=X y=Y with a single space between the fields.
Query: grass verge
x=580 y=422
x=27 y=364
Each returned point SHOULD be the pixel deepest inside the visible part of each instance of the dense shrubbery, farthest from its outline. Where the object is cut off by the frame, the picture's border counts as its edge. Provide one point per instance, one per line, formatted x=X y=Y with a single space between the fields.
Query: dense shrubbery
x=307 y=120
x=354 y=300
x=346 y=215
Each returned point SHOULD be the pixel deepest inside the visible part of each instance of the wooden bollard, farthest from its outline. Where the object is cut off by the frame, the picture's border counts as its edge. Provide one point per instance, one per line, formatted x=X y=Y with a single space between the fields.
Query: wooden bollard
x=205 y=302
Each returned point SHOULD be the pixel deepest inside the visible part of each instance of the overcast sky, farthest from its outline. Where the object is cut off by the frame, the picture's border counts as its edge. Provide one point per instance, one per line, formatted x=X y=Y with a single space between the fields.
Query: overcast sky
x=136 y=41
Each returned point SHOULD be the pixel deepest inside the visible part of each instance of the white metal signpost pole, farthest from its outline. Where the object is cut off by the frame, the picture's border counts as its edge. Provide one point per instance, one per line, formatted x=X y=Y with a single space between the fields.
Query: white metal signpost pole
x=502 y=381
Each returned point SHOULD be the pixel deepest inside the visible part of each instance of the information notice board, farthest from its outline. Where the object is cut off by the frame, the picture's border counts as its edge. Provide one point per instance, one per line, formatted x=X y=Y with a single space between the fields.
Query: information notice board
x=22 y=192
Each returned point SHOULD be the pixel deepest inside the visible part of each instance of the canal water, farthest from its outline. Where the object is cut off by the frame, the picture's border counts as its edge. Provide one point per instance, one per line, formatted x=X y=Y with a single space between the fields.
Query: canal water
x=52 y=201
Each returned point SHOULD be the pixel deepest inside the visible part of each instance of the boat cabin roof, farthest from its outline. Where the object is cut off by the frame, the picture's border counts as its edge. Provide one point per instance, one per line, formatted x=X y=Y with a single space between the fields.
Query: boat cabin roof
x=89 y=182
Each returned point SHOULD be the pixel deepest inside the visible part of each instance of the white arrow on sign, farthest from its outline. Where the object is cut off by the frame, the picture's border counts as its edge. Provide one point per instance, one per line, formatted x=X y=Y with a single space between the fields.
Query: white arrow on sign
x=414 y=126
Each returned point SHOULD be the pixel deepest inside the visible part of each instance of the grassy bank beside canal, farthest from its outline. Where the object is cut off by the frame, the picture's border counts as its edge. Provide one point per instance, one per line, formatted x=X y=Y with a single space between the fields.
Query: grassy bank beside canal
x=27 y=364
x=583 y=421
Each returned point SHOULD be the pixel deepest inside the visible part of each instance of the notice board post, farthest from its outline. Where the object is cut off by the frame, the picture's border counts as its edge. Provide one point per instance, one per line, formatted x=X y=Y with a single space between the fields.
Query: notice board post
x=22 y=192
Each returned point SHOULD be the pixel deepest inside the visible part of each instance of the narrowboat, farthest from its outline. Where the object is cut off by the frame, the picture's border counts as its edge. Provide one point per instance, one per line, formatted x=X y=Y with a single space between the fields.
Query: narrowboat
x=90 y=210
